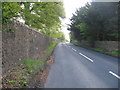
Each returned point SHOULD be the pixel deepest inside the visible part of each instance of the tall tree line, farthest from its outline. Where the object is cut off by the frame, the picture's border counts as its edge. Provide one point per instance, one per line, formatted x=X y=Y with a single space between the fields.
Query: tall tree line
x=44 y=16
x=95 y=21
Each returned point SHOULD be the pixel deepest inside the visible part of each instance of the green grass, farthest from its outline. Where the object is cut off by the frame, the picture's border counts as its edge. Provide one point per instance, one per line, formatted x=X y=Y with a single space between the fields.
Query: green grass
x=50 y=48
x=33 y=65
x=23 y=83
x=24 y=77
x=11 y=81
x=99 y=49
x=116 y=53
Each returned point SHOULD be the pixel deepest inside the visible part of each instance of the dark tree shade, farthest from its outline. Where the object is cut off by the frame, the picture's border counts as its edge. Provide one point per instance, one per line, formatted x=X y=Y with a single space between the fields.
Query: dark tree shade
x=96 y=21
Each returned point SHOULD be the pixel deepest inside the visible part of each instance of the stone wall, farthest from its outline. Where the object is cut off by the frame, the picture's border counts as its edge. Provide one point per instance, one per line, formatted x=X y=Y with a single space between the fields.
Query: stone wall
x=107 y=45
x=22 y=43
x=85 y=43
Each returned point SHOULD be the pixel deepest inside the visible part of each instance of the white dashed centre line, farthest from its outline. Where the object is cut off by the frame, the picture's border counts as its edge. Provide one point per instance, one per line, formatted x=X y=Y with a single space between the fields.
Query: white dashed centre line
x=74 y=49
x=86 y=57
x=114 y=74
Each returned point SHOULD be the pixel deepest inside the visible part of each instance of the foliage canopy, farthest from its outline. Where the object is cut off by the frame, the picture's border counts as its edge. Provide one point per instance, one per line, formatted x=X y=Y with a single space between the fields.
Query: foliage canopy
x=95 y=21
x=44 y=16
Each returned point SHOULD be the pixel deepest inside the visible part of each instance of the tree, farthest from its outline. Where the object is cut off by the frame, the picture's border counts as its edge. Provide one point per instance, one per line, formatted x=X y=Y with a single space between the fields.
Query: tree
x=44 y=16
x=95 y=21
x=10 y=10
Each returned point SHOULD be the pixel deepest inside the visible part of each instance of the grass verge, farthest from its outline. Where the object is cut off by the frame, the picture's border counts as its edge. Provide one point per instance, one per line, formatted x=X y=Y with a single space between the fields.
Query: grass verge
x=33 y=66
x=22 y=75
x=51 y=48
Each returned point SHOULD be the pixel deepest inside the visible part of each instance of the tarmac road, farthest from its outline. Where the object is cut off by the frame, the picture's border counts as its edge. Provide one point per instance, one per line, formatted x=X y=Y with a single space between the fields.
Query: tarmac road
x=77 y=67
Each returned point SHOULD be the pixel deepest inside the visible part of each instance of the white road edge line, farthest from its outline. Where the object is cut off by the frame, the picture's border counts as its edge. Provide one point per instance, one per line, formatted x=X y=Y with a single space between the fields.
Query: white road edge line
x=74 y=49
x=86 y=57
x=114 y=74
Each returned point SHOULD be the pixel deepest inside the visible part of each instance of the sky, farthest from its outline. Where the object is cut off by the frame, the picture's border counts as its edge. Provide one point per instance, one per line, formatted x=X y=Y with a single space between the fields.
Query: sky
x=70 y=8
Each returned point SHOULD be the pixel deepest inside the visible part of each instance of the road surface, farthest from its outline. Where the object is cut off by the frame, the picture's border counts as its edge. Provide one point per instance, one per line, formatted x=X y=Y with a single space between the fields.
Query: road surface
x=77 y=67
